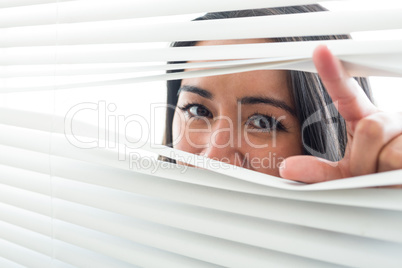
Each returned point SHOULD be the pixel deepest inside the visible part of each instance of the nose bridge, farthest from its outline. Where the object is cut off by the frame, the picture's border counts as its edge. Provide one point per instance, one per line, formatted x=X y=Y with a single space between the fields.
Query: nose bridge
x=222 y=144
x=223 y=132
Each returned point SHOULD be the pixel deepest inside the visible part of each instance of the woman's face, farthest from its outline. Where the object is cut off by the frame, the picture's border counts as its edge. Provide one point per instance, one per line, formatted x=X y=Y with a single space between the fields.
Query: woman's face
x=244 y=119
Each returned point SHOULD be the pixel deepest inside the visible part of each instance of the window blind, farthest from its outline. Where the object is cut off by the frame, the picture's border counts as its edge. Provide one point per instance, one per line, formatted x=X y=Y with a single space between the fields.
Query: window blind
x=111 y=205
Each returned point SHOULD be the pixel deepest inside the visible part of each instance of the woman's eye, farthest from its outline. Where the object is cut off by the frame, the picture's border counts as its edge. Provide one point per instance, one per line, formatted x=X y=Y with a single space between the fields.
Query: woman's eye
x=263 y=123
x=199 y=111
x=195 y=110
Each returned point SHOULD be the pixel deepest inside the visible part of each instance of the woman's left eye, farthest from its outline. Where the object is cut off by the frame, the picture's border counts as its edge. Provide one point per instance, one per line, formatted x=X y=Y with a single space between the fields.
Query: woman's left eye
x=264 y=123
x=196 y=111
x=199 y=111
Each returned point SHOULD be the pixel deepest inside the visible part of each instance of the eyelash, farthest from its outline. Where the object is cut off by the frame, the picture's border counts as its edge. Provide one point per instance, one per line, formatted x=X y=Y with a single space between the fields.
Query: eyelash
x=279 y=126
x=186 y=109
x=268 y=117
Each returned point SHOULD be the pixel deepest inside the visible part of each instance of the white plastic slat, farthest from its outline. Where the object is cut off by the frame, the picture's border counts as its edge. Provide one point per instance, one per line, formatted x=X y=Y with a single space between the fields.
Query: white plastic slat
x=15 y=256
x=4 y=263
x=120 y=248
x=31 y=259
x=33 y=161
x=156 y=168
x=25 y=179
x=205 y=248
x=17 y=3
x=31 y=249
x=78 y=69
x=354 y=68
x=38 y=248
x=208 y=191
x=82 y=257
x=27 y=119
x=382 y=224
x=79 y=11
x=29 y=201
x=286 y=238
x=121 y=31
x=264 y=52
x=121 y=158
x=360 y=58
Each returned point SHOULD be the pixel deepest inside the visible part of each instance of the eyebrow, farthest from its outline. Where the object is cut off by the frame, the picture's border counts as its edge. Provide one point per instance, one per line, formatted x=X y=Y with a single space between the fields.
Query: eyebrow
x=267 y=100
x=245 y=100
x=202 y=92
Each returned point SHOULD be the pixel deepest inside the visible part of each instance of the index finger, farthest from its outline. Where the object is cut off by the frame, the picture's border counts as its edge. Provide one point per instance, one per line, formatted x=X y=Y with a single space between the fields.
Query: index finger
x=352 y=102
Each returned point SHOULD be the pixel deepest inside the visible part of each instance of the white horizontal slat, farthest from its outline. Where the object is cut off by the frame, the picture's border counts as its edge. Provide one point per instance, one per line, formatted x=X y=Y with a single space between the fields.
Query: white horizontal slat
x=85 y=69
x=29 y=160
x=43 y=123
x=63 y=147
x=208 y=249
x=97 y=222
x=388 y=68
x=183 y=190
x=163 y=77
x=78 y=69
x=15 y=3
x=277 y=205
x=14 y=136
x=372 y=198
x=68 y=148
x=361 y=59
x=354 y=68
x=302 y=65
x=60 y=264
x=120 y=248
x=21 y=219
x=81 y=257
x=79 y=11
x=26 y=119
x=364 y=197
x=25 y=179
x=30 y=258
x=124 y=53
x=40 y=245
x=319 y=23
x=382 y=223
x=286 y=238
x=219 y=205
x=33 y=202
x=37 y=251
x=363 y=63
x=40 y=249
x=15 y=256
x=46 y=247
x=388 y=199
x=9 y=264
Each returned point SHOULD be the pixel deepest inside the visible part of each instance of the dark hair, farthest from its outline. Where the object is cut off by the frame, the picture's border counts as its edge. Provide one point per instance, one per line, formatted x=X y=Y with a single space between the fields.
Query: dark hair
x=310 y=96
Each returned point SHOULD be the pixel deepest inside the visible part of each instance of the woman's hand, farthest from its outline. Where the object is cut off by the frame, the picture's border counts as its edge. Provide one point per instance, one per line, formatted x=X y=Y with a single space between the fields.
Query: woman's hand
x=374 y=137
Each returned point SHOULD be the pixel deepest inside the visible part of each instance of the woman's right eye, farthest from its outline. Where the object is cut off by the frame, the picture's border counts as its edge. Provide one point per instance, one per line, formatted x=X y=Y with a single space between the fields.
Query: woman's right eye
x=196 y=110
